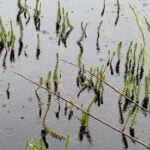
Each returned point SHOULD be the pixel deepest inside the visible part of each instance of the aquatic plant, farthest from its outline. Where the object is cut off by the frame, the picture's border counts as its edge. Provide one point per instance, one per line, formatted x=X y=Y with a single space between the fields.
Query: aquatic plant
x=149 y=140
x=7 y=42
x=122 y=94
x=90 y=114
x=134 y=59
x=63 y=25
x=37 y=14
x=131 y=89
x=84 y=119
x=64 y=36
x=98 y=35
x=55 y=74
x=19 y=4
x=118 y=12
x=70 y=114
x=103 y=10
x=58 y=17
x=21 y=36
x=119 y=55
x=40 y=104
x=35 y=145
x=125 y=142
x=12 y=43
x=44 y=138
x=49 y=131
x=121 y=119
x=138 y=23
x=128 y=60
x=38 y=51
x=3 y=36
x=23 y=9
x=81 y=73
x=131 y=119
x=41 y=82
x=146 y=100
x=109 y=63
x=140 y=65
x=48 y=80
x=83 y=33
x=147 y=23
x=8 y=91
x=68 y=137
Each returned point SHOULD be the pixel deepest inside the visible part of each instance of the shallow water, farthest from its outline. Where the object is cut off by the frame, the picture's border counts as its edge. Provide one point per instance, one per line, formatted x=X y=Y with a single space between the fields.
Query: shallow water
x=19 y=115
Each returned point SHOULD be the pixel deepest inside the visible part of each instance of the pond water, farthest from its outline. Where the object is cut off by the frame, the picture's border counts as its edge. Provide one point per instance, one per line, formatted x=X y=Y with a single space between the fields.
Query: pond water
x=19 y=114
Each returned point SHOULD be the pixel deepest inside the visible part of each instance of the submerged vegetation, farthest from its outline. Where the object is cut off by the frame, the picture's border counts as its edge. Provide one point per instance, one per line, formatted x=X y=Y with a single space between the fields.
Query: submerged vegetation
x=118 y=12
x=23 y=9
x=35 y=145
x=37 y=14
x=63 y=25
x=73 y=97
x=7 y=42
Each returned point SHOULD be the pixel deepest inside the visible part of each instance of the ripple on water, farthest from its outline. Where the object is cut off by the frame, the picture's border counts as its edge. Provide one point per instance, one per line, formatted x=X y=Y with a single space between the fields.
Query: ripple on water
x=7 y=132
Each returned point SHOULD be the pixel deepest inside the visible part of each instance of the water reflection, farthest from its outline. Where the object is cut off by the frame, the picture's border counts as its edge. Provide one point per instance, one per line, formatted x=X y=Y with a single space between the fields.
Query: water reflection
x=43 y=136
x=63 y=25
x=12 y=56
x=125 y=142
x=103 y=10
x=8 y=91
x=121 y=119
x=21 y=37
x=4 y=61
x=98 y=35
x=84 y=132
x=39 y=103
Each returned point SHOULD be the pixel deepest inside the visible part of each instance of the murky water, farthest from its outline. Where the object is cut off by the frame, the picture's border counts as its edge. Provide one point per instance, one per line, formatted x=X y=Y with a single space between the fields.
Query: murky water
x=19 y=115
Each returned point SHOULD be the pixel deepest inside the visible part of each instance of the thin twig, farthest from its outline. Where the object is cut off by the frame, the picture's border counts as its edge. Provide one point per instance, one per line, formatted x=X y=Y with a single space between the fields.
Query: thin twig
x=91 y=115
x=109 y=85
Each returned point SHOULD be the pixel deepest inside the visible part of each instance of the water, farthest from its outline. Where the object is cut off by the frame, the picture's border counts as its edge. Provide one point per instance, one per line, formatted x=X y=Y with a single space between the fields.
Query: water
x=19 y=116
